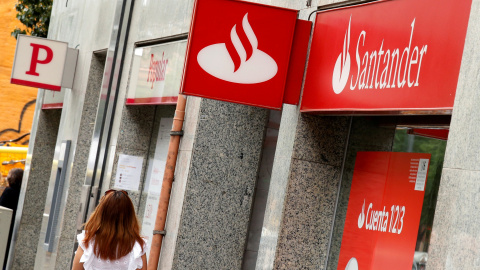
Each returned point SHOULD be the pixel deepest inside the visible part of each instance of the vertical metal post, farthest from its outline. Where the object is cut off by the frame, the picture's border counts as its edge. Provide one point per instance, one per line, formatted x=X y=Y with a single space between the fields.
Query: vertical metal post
x=108 y=102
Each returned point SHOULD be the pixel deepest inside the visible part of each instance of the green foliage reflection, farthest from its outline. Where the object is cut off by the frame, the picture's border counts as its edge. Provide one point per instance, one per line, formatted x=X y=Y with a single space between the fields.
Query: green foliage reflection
x=417 y=144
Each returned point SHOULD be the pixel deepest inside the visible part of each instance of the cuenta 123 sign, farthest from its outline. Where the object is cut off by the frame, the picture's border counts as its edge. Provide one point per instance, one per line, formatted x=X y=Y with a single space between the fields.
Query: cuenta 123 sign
x=43 y=63
x=386 y=56
x=239 y=52
x=384 y=209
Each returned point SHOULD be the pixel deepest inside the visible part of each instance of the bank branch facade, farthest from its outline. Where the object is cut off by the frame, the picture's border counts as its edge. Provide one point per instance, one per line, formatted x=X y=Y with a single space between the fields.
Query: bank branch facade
x=316 y=135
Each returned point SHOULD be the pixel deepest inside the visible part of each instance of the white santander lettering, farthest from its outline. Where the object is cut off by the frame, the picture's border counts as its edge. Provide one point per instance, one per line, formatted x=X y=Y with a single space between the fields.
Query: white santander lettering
x=388 y=68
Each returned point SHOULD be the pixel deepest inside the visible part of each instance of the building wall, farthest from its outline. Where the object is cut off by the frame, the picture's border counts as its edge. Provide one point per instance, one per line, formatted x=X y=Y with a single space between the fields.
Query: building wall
x=29 y=215
x=17 y=103
x=455 y=240
x=87 y=26
x=213 y=193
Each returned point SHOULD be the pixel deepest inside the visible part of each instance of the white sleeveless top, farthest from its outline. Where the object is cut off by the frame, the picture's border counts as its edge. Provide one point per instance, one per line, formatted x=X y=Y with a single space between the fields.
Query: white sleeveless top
x=131 y=261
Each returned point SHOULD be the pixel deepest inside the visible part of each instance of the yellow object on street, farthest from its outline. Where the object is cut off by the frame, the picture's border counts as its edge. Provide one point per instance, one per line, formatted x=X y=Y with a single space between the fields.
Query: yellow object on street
x=12 y=157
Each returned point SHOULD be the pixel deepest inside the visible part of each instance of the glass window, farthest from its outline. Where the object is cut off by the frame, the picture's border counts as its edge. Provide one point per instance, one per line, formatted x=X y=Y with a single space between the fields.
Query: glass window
x=373 y=134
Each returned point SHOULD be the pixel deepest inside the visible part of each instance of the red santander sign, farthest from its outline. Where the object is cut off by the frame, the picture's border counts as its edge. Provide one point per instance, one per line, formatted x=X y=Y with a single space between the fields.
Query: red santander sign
x=397 y=55
x=43 y=63
x=239 y=52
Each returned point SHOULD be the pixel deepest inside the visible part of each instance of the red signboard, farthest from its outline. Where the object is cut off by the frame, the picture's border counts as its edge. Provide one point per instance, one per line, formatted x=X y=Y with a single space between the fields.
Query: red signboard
x=441 y=133
x=239 y=52
x=384 y=211
x=386 y=56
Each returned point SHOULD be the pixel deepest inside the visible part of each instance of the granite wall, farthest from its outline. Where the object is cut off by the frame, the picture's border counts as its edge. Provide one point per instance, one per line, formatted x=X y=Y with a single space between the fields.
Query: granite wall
x=311 y=192
x=79 y=164
x=36 y=188
x=261 y=191
x=455 y=242
x=136 y=130
x=220 y=186
x=137 y=137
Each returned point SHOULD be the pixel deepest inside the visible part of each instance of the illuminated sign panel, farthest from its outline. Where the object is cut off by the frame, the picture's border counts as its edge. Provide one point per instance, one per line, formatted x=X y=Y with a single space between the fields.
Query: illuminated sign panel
x=156 y=74
x=386 y=56
x=239 y=52
x=384 y=210
x=43 y=63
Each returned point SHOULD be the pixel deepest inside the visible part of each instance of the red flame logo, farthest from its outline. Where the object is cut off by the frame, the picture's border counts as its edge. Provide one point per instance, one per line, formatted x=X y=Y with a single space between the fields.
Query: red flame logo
x=242 y=43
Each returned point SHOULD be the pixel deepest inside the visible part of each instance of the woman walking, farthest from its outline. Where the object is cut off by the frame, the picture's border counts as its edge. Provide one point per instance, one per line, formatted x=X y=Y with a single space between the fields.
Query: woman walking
x=111 y=238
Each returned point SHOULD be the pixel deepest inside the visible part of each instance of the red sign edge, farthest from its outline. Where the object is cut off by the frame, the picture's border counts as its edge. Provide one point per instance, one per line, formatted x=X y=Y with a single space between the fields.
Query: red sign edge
x=51 y=106
x=297 y=63
x=440 y=134
x=35 y=84
x=152 y=101
x=436 y=110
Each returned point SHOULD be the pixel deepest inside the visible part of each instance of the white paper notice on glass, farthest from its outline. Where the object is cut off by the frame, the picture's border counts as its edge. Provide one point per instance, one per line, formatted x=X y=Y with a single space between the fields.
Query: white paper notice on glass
x=129 y=170
x=421 y=174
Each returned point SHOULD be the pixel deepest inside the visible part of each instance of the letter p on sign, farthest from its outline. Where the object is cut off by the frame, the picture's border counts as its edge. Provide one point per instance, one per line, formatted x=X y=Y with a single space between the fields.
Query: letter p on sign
x=41 y=63
x=35 y=60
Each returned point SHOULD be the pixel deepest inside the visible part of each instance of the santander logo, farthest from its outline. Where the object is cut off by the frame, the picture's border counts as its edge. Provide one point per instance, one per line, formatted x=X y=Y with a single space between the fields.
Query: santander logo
x=157 y=69
x=238 y=60
x=361 y=217
x=342 y=65
x=379 y=68
x=352 y=264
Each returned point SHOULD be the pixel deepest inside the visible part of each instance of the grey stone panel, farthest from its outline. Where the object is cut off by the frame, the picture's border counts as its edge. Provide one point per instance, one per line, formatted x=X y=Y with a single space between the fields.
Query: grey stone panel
x=36 y=191
x=278 y=188
x=79 y=164
x=463 y=142
x=320 y=139
x=311 y=193
x=137 y=128
x=455 y=242
x=307 y=217
x=220 y=187
x=261 y=190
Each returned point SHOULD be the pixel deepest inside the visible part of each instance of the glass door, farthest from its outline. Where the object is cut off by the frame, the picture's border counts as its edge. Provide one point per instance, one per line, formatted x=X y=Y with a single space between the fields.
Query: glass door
x=385 y=135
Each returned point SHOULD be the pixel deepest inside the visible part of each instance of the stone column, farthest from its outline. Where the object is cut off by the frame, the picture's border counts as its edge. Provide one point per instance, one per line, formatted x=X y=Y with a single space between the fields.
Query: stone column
x=220 y=186
x=35 y=187
x=455 y=242
x=78 y=174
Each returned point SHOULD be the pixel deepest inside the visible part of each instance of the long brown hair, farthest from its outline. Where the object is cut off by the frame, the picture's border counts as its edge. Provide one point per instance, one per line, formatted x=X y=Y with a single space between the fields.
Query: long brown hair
x=113 y=224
